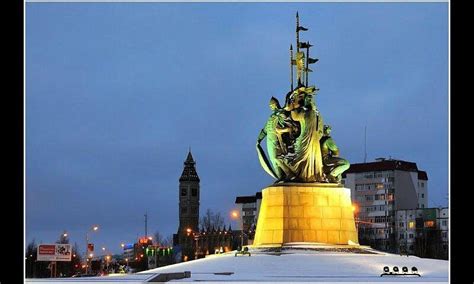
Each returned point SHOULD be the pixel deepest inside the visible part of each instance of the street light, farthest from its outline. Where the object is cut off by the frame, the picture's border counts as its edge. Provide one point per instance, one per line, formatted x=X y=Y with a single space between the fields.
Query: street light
x=235 y=215
x=91 y=229
x=107 y=258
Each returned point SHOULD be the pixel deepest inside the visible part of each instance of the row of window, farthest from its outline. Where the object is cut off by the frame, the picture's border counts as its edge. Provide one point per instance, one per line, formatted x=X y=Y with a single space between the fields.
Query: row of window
x=373 y=186
x=184 y=210
x=410 y=236
x=411 y=224
x=368 y=175
x=377 y=208
x=381 y=219
x=184 y=191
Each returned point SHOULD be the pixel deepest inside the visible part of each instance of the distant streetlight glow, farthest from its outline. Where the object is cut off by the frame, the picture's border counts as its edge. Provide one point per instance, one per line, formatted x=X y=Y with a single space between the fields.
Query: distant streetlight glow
x=235 y=214
x=354 y=208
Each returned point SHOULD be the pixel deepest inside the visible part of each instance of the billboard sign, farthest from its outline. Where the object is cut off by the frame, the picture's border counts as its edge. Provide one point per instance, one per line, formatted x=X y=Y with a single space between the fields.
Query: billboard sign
x=54 y=252
x=128 y=246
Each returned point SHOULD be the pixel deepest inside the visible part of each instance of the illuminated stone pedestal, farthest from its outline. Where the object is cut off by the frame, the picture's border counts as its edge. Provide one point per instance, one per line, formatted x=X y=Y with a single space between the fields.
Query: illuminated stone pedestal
x=311 y=213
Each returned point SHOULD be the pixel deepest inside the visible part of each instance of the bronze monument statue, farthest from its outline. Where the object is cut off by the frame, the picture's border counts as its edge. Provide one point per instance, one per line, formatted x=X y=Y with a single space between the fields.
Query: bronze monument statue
x=277 y=124
x=333 y=165
x=307 y=203
x=299 y=149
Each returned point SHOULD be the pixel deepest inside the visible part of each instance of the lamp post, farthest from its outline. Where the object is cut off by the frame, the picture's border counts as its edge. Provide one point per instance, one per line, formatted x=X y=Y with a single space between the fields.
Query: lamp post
x=235 y=215
x=196 y=238
x=91 y=229
x=188 y=234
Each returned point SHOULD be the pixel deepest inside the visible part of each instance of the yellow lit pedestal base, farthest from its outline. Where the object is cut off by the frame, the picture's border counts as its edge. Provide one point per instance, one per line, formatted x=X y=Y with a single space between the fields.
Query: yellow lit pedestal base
x=311 y=213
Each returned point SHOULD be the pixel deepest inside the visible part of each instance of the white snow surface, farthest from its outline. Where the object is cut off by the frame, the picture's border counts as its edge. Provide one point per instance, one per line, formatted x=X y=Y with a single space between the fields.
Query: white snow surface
x=289 y=265
x=308 y=266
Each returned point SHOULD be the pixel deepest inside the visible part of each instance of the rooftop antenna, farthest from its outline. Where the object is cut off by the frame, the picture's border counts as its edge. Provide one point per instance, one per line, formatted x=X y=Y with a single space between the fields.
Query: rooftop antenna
x=365 y=144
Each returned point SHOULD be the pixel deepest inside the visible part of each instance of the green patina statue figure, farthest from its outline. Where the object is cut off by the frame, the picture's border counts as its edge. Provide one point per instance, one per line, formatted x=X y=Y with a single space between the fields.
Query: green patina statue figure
x=299 y=148
x=277 y=124
x=306 y=162
x=333 y=165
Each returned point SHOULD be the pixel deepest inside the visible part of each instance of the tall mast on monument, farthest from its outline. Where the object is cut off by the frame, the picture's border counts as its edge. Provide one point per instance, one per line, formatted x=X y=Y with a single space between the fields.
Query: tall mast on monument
x=300 y=60
x=302 y=65
x=291 y=66
x=298 y=53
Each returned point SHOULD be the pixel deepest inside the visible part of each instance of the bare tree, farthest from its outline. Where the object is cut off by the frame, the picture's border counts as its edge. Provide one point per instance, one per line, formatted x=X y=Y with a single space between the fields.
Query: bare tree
x=218 y=220
x=163 y=241
x=211 y=219
x=168 y=241
x=158 y=238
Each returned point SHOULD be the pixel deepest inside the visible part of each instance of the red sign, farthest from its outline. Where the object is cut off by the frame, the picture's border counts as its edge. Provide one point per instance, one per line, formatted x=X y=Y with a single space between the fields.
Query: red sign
x=47 y=249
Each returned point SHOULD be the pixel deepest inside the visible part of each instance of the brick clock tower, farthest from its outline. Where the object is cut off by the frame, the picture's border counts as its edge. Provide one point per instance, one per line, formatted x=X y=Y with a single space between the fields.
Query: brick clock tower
x=188 y=208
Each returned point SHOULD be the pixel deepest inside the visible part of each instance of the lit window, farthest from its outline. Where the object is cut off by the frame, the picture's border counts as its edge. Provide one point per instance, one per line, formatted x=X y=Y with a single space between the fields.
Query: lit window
x=429 y=224
x=411 y=225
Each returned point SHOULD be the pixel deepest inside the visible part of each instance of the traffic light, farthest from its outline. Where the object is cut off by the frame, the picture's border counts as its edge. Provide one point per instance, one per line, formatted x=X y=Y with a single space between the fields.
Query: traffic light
x=90 y=247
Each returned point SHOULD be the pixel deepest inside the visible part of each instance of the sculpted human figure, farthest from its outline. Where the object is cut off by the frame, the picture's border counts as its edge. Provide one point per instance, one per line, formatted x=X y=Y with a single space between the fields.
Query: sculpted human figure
x=307 y=161
x=276 y=125
x=334 y=166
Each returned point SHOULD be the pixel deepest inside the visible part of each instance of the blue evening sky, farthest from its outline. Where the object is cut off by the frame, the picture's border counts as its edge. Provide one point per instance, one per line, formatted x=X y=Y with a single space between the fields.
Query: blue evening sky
x=116 y=93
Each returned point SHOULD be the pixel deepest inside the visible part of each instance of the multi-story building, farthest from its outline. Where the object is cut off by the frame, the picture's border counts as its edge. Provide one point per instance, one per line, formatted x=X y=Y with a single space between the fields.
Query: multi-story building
x=248 y=207
x=378 y=190
x=423 y=232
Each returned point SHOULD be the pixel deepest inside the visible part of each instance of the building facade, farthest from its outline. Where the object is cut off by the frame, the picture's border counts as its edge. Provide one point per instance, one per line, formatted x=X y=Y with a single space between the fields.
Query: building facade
x=248 y=207
x=423 y=232
x=378 y=190
x=189 y=194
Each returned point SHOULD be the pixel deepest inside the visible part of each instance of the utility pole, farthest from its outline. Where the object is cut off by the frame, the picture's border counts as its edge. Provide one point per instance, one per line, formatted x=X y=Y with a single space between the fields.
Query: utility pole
x=365 y=144
x=146 y=224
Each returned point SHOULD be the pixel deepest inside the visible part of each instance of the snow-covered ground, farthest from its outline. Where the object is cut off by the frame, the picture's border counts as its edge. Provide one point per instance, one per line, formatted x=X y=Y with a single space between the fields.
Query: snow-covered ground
x=291 y=265
x=309 y=266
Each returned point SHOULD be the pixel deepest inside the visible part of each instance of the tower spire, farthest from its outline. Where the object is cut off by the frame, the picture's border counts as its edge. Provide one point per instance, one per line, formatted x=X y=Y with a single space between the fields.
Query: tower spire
x=189 y=171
